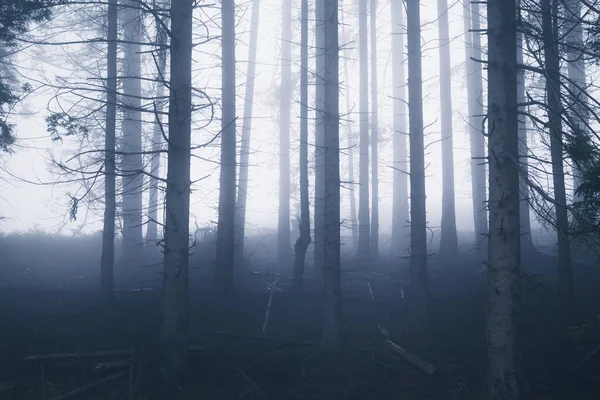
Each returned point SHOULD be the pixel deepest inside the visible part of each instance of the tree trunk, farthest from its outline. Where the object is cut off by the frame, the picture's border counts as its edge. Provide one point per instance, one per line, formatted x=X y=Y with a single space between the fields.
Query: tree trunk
x=108 y=232
x=555 y=112
x=503 y=272
x=132 y=134
x=526 y=241
x=225 y=242
x=176 y=317
x=242 y=195
x=153 y=207
x=285 y=93
x=419 y=280
x=319 y=136
x=374 y=245
x=363 y=176
x=471 y=20
x=332 y=299
x=304 y=240
x=400 y=193
x=449 y=239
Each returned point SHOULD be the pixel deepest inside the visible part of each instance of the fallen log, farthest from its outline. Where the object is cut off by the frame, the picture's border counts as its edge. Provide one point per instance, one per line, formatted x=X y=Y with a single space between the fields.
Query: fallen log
x=95 y=354
x=406 y=355
x=100 y=382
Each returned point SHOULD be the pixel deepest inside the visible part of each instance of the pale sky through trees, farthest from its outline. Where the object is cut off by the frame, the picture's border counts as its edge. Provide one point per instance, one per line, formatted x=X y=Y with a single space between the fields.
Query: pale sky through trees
x=28 y=206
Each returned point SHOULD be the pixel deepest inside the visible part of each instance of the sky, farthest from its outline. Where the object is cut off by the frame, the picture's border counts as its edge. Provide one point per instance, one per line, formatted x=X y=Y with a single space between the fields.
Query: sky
x=29 y=201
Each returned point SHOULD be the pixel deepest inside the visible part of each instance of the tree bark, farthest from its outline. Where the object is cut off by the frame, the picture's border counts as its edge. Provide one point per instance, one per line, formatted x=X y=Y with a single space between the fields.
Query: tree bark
x=319 y=136
x=153 y=207
x=285 y=92
x=419 y=280
x=503 y=272
x=363 y=176
x=304 y=240
x=555 y=112
x=107 y=261
x=400 y=192
x=330 y=340
x=374 y=136
x=242 y=195
x=225 y=230
x=449 y=238
x=131 y=164
x=176 y=317
x=471 y=20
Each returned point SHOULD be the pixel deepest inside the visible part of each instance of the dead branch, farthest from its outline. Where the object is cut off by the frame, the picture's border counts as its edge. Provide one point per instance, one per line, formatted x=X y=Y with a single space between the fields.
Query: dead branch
x=411 y=358
x=83 y=389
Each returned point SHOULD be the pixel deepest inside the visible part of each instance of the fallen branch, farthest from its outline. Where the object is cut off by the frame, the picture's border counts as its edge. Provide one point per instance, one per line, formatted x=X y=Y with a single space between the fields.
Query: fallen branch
x=95 y=354
x=259 y=338
x=83 y=389
x=411 y=358
x=105 y=366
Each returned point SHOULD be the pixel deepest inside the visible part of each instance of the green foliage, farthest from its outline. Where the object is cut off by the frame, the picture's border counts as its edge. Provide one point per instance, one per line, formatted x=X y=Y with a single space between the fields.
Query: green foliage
x=62 y=124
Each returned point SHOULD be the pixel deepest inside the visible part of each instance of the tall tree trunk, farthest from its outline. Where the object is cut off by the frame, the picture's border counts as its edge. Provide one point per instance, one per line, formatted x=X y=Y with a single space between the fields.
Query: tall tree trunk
x=363 y=164
x=555 y=112
x=374 y=136
x=304 y=240
x=526 y=240
x=319 y=136
x=242 y=195
x=132 y=134
x=225 y=242
x=176 y=316
x=350 y=145
x=107 y=261
x=577 y=76
x=503 y=272
x=152 y=230
x=419 y=280
x=332 y=298
x=449 y=239
x=400 y=193
x=471 y=20
x=285 y=92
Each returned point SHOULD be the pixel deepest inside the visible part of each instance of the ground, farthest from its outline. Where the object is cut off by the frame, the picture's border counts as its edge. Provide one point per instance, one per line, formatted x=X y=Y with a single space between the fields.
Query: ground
x=50 y=304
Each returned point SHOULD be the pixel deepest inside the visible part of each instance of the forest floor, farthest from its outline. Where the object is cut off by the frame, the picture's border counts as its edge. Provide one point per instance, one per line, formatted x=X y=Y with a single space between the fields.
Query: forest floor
x=59 y=312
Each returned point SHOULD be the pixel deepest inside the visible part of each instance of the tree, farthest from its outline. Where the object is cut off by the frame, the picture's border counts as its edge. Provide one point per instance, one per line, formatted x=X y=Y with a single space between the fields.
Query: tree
x=419 y=281
x=449 y=238
x=225 y=228
x=374 y=245
x=304 y=240
x=400 y=192
x=242 y=195
x=285 y=95
x=471 y=19
x=131 y=164
x=319 y=245
x=503 y=270
x=332 y=299
x=555 y=112
x=108 y=232
x=176 y=317
x=363 y=162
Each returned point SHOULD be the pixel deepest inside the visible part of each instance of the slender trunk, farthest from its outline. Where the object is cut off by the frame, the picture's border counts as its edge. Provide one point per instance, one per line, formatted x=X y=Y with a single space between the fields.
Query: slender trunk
x=225 y=228
x=419 y=280
x=285 y=92
x=350 y=144
x=471 y=20
x=555 y=112
x=503 y=272
x=400 y=194
x=304 y=240
x=176 y=316
x=526 y=241
x=332 y=299
x=132 y=134
x=242 y=195
x=152 y=232
x=363 y=176
x=449 y=239
x=374 y=138
x=108 y=232
x=319 y=136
